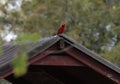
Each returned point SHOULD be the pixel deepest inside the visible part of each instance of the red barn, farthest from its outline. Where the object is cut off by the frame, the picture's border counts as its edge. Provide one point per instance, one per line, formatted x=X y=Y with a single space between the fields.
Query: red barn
x=60 y=60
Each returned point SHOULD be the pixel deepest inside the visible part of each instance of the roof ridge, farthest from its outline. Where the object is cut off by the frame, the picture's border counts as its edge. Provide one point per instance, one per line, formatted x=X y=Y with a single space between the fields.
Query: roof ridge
x=90 y=53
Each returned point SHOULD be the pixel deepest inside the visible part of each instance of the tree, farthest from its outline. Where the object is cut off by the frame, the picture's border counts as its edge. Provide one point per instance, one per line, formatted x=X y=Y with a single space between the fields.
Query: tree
x=95 y=24
x=89 y=17
x=113 y=55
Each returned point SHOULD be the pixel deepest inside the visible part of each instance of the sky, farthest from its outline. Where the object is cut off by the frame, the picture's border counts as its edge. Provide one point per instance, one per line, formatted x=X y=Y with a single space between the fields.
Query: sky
x=10 y=36
x=7 y=34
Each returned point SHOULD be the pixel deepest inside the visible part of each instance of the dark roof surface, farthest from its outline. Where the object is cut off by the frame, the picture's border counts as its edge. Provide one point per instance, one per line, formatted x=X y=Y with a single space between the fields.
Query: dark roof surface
x=34 y=49
x=50 y=41
x=9 y=52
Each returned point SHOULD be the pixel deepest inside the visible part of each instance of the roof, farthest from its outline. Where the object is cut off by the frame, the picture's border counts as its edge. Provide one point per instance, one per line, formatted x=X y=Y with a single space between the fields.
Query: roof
x=34 y=49
x=50 y=41
x=9 y=52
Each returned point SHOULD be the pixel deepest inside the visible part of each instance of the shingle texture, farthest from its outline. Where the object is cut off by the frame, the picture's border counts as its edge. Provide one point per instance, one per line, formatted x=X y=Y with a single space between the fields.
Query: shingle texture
x=32 y=49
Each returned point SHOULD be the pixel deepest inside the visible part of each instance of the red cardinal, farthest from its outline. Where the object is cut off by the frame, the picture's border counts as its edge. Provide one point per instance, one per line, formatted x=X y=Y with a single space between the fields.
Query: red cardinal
x=61 y=29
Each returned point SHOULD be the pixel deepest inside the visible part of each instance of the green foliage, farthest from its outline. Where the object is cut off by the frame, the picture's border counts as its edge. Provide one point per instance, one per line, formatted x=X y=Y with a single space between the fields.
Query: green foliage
x=41 y=16
x=26 y=38
x=20 y=64
x=95 y=23
x=86 y=20
x=113 y=55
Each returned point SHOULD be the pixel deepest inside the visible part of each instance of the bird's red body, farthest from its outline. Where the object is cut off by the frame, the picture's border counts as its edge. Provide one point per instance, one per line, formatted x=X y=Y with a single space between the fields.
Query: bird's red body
x=61 y=29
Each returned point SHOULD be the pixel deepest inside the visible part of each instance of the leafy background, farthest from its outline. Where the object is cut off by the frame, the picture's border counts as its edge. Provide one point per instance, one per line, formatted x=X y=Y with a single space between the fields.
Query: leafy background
x=93 y=23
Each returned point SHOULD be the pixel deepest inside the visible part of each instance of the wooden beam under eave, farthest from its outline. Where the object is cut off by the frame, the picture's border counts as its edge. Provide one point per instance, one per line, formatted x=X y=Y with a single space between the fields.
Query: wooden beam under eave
x=95 y=65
